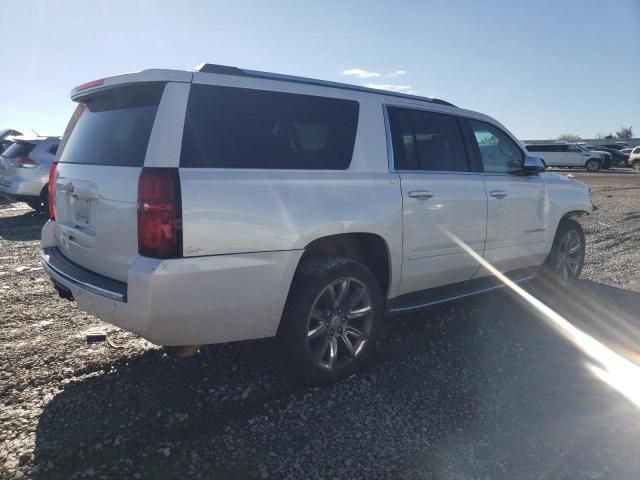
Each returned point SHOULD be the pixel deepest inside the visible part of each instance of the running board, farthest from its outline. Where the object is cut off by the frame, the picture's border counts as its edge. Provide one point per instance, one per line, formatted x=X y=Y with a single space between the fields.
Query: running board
x=450 y=293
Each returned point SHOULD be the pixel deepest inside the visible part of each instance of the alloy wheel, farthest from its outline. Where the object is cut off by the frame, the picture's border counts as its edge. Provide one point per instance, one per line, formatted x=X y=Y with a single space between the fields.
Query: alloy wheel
x=569 y=256
x=339 y=323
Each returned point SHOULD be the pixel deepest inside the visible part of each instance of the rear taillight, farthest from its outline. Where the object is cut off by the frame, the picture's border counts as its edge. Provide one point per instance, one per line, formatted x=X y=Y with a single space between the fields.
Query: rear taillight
x=51 y=190
x=23 y=162
x=159 y=213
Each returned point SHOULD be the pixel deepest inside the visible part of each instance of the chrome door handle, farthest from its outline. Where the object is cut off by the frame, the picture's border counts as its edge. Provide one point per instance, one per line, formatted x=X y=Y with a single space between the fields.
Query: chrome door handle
x=498 y=193
x=421 y=194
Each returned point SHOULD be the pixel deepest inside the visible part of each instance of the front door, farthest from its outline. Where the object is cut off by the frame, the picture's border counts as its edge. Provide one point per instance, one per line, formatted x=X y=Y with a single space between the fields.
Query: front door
x=517 y=204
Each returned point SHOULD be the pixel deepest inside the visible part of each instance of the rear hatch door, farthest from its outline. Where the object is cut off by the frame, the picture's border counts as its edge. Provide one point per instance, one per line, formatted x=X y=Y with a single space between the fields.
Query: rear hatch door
x=96 y=180
x=20 y=148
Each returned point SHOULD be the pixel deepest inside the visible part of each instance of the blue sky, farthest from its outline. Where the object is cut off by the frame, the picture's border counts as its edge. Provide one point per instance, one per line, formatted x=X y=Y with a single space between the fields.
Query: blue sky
x=542 y=67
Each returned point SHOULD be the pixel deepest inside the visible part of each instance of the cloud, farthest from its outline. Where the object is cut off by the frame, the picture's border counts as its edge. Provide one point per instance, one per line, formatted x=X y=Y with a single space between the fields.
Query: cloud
x=391 y=87
x=397 y=73
x=360 y=73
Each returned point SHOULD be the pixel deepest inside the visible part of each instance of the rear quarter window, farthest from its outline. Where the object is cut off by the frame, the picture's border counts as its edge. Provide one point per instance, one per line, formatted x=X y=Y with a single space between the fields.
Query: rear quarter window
x=113 y=127
x=228 y=127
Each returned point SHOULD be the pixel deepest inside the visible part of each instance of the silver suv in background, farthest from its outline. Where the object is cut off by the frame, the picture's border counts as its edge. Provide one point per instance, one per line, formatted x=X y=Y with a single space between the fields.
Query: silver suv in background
x=225 y=204
x=568 y=155
x=24 y=170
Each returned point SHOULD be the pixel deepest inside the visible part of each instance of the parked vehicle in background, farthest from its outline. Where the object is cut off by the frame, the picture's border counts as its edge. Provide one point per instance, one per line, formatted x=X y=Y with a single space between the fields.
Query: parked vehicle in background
x=626 y=151
x=617 y=157
x=24 y=170
x=4 y=144
x=225 y=204
x=7 y=137
x=615 y=146
x=566 y=155
x=607 y=158
x=634 y=158
x=9 y=132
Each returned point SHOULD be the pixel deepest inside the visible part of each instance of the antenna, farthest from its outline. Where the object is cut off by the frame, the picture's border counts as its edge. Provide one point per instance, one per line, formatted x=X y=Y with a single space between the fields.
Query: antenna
x=37 y=134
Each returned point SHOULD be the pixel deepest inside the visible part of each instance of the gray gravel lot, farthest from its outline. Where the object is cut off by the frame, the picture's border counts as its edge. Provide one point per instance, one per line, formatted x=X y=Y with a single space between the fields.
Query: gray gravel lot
x=476 y=389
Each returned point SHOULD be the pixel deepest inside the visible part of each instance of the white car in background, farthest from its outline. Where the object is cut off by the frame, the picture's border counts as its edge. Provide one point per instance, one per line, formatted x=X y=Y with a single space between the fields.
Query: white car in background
x=24 y=170
x=559 y=154
x=217 y=205
x=634 y=158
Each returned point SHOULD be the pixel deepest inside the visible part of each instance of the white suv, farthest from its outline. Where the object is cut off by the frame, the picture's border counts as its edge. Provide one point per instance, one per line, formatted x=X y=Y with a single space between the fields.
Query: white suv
x=225 y=204
x=562 y=154
x=634 y=158
x=24 y=170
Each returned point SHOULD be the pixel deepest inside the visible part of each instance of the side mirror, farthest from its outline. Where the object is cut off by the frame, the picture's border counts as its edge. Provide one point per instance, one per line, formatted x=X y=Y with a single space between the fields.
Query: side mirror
x=533 y=165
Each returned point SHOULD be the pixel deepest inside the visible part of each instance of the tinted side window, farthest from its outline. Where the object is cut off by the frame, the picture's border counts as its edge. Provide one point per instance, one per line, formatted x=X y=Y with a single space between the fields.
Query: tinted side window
x=536 y=148
x=426 y=141
x=499 y=153
x=229 y=127
x=53 y=149
x=405 y=156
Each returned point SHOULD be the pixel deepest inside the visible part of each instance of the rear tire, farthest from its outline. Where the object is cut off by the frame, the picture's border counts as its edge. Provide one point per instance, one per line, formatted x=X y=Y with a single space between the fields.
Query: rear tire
x=331 y=321
x=592 y=165
x=41 y=204
x=566 y=259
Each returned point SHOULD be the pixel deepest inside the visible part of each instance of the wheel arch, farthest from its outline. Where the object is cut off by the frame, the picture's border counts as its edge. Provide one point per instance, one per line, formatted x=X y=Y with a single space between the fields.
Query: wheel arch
x=370 y=249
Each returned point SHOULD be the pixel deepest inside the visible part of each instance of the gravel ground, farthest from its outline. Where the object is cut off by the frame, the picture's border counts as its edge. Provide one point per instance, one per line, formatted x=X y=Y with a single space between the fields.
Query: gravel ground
x=477 y=389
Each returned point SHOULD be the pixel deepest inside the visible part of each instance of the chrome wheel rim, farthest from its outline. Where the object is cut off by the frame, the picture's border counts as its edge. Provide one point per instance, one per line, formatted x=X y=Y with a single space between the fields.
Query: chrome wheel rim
x=569 y=256
x=339 y=323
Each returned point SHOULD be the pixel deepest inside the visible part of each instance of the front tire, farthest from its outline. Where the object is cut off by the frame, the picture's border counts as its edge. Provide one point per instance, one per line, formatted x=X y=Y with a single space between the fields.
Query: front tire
x=331 y=321
x=565 y=262
x=636 y=165
x=592 y=165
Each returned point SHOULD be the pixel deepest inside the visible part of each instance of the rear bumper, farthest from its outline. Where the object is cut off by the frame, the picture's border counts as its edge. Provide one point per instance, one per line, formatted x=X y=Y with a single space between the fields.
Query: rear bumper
x=17 y=188
x=66 y=273
x=186 y=301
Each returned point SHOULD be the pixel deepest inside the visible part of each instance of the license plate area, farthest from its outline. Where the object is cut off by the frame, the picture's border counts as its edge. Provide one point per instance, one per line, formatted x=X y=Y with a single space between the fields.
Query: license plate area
x=82 y=208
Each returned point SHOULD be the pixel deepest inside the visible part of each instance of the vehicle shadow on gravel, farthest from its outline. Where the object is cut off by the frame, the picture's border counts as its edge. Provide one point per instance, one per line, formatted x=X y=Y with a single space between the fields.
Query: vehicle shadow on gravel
x=23 y=227
x=440 y=378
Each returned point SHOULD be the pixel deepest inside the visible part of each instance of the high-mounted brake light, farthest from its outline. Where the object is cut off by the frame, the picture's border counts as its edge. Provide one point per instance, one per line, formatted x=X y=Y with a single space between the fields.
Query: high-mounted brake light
x=159 y=213
x=51 y=190
x=23 y=162
x=91 y=84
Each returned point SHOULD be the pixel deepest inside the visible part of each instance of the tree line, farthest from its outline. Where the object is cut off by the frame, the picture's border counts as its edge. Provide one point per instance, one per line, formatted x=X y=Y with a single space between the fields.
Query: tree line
x=624 y=133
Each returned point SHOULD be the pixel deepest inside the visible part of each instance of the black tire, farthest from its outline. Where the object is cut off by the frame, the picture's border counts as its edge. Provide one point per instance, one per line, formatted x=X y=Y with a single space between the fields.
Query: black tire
x=636 y=165
x=592 y=165
x=296 y=337
x=41 y=204
x=38 y=206
x=552 y=270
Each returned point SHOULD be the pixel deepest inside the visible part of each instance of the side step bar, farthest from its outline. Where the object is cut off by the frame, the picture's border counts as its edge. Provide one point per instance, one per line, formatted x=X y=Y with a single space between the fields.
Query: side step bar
x=450 y=293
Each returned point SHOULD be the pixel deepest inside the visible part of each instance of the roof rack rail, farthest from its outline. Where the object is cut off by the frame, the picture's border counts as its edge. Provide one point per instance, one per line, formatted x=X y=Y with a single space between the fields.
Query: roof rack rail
x=228 y=70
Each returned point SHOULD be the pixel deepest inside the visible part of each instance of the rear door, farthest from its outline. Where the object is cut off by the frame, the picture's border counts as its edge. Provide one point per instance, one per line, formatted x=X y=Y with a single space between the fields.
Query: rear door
x=517 y=204
x=96 y=180
x=443 y=200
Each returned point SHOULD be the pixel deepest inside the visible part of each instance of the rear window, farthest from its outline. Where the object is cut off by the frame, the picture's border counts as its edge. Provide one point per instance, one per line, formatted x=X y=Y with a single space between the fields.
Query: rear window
x=113 y=127
x=425 y=140
x=227 y=127
x=19 y=149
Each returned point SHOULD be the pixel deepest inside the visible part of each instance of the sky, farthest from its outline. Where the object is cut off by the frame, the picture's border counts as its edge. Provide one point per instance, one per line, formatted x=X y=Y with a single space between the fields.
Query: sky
x=543 y=68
